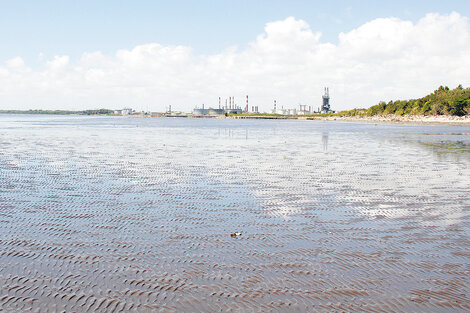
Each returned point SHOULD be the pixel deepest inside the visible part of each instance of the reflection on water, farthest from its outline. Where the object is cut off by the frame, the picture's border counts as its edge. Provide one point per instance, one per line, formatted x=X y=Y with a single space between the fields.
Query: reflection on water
x=457 y=149
x=324 y=139
x=127 y=214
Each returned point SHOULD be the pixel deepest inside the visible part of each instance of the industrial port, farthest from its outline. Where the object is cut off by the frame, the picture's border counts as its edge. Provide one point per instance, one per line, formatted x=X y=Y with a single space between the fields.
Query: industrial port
x=230 y=108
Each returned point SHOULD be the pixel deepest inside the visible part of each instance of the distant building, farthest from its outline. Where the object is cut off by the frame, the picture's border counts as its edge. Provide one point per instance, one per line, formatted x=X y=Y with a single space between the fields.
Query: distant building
x=234 y=111
x=197 y=111
x=211 y=111
x=283 y=111
x=229 y=108
x=325 y=108
x=125 y=111
x=304 y=110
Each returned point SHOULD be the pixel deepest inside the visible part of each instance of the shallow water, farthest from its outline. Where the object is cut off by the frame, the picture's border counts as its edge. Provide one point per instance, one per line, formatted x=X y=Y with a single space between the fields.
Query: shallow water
x=112 y=214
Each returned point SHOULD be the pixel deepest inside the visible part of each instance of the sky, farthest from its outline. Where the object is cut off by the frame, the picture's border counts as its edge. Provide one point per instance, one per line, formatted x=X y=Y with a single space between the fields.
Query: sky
x=151 y=54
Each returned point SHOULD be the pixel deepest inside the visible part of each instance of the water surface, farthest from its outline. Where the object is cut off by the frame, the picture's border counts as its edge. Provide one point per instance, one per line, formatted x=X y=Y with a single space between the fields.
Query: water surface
x=116 y=214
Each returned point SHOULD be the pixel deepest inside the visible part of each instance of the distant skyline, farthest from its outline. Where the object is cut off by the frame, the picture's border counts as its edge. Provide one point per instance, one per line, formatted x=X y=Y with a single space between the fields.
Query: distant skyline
x=148 y=54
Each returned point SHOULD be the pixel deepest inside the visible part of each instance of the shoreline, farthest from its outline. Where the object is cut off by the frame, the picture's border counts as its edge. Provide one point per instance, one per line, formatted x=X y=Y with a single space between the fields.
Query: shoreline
x=406 y=119
x=393 y=119
x=390 y=119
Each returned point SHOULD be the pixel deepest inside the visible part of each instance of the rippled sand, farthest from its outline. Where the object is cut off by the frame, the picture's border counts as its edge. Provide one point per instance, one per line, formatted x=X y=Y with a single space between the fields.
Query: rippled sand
x=136 y=215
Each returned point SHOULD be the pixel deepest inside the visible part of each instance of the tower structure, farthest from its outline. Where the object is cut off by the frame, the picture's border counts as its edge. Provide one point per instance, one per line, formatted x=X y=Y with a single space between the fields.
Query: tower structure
x=325 y=108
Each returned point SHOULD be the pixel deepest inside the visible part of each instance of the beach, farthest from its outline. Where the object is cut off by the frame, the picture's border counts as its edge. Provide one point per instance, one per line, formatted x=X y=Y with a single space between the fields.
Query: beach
x=417 y=119
x=391 y=118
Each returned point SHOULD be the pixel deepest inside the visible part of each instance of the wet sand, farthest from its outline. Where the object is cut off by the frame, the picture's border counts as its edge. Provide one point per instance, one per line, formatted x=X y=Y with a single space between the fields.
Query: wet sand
x=415 y=119
x=137 y=215
x=395 y=119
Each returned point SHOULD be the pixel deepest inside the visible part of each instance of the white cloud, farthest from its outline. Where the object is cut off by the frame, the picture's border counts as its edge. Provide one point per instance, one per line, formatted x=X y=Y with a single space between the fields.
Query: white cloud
x=16 y=64
x=384 y=59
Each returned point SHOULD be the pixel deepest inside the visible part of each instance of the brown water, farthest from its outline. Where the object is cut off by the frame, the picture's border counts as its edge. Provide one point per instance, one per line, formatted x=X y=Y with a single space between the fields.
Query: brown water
x=102 y=214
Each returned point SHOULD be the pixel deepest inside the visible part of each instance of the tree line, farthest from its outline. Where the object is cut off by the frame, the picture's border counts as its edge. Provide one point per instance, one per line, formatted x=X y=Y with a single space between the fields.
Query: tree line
x=443 y=101
x=60 y=112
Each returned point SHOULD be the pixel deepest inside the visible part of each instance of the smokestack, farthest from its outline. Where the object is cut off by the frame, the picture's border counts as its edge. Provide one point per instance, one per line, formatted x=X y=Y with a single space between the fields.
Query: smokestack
x=219 y=102
x=274 y=106
x=246 y=103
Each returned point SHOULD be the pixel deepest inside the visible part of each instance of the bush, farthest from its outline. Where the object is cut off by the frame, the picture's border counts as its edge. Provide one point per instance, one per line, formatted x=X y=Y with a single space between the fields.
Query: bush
x=442 y=101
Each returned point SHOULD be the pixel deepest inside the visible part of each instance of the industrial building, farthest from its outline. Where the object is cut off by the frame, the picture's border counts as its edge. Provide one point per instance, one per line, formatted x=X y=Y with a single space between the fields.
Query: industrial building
x=209 y=111
x=125 y=111
x=304 y=109
x=229 y=108
x=325 y=108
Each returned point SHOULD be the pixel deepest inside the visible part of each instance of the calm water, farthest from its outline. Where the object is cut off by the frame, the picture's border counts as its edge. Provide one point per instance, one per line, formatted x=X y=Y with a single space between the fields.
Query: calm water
x=114 y=214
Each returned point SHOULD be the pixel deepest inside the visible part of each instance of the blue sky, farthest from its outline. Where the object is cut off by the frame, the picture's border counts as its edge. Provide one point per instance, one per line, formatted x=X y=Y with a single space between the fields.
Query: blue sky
x=152 y=54
x=28 y=28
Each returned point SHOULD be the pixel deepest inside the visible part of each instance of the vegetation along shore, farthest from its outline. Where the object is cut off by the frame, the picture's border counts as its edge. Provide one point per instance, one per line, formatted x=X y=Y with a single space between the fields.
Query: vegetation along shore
x=60 y=112
x=444 y=105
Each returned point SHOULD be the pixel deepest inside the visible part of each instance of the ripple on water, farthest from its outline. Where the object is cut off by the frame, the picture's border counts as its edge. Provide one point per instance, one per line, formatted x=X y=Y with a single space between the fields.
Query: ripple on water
x=135 y=215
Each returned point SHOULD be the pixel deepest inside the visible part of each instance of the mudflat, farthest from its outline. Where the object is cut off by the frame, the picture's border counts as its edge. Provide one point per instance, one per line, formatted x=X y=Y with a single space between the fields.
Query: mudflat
x=110 y=214
x=409 y=119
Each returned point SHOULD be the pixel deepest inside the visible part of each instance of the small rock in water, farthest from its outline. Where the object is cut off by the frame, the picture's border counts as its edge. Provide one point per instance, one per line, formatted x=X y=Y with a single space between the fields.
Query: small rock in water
x=235 y=235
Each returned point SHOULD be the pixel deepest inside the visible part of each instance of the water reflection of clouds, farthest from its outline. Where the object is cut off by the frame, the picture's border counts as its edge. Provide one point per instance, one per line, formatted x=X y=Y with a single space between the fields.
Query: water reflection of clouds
x=283 y=165
x=387 y=177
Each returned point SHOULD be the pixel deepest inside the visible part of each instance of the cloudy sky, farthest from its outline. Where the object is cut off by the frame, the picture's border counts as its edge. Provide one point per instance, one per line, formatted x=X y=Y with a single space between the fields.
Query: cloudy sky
x=151 y=54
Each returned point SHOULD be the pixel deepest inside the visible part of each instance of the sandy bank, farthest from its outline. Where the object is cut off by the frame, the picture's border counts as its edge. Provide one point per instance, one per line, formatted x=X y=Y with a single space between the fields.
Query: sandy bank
x=416 y=119
x=413 y=119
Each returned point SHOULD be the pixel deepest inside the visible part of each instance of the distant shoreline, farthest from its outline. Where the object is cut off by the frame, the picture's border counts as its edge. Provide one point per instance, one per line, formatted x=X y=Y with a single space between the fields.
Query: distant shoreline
x=403 y=119
x=391 y=118
x=395 y=119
